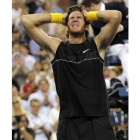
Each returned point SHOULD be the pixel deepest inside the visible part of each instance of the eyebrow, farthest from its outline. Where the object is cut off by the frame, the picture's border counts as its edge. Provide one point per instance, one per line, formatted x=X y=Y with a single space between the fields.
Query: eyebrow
x=76 y=16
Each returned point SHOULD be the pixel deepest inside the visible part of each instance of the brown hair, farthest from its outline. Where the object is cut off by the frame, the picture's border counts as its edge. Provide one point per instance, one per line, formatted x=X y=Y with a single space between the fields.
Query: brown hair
x=76 y=8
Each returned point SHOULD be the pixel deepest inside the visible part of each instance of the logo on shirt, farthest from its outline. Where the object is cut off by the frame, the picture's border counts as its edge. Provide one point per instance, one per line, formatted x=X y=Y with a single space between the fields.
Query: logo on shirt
x=85 y=50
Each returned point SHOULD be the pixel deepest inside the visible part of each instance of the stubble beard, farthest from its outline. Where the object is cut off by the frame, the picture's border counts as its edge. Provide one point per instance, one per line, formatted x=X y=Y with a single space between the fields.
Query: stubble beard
x=76 y=34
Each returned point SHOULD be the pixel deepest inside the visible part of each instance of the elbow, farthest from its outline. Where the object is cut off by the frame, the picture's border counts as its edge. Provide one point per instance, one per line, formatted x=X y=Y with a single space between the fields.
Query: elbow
x=117 y=15
x=25 y=20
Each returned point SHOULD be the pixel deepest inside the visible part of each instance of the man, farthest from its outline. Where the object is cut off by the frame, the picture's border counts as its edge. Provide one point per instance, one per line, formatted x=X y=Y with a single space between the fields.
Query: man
x=22 y=132
x=78 y=71
x=28 y=87
x=29 y=60
x=119 y=45
x=37 y=121
x=47 y=98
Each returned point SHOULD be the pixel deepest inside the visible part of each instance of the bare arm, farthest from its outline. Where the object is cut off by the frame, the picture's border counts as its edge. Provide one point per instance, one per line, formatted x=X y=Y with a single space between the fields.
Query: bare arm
x=108 y=32
x=45 y=130
x=26 y=135
x=15 y=71
x=31 y=24
x=55 y=126
x=24 y=132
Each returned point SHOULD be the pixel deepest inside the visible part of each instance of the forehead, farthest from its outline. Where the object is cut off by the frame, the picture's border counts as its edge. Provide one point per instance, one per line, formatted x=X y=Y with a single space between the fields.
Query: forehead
x=75 y=13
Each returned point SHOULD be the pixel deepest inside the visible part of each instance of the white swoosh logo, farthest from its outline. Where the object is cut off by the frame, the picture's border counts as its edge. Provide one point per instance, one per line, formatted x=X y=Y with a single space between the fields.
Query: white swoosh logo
x=85 y=50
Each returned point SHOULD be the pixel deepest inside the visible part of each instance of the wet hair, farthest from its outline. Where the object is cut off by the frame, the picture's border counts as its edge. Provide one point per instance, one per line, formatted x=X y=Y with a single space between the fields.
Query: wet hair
x=87 y=3
x=76 y=8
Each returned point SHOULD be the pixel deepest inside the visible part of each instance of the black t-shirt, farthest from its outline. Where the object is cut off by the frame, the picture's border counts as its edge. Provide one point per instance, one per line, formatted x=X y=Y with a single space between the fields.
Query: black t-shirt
x=80 y=85
x=16 y=134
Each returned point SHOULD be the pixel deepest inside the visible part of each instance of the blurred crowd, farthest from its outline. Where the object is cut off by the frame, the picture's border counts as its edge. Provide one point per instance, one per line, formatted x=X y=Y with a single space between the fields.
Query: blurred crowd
x=35 y=104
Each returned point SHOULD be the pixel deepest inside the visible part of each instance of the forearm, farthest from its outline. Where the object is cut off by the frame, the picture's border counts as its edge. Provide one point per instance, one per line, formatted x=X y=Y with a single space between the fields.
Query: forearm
x=25 y=71
x=25 y=95
x=14 y=72
x=45 y=130
x=109 y=15
x=55 y=126
x=35 y=19
x=26 y=135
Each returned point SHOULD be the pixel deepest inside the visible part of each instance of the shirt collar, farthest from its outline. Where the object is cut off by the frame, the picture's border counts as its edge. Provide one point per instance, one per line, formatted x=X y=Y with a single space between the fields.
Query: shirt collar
x=102 y=6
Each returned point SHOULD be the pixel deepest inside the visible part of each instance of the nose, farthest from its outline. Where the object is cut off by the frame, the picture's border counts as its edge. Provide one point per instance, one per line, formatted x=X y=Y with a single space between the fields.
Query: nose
x=75 y=20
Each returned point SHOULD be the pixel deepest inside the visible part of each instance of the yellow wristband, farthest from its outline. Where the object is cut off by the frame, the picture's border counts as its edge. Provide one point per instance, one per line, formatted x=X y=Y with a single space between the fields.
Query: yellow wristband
x=56 y=18
x=92 y=16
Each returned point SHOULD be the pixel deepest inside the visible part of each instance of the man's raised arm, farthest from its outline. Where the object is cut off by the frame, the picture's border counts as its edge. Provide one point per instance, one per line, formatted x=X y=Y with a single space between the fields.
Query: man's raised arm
x=108 y=32
x=31 y=24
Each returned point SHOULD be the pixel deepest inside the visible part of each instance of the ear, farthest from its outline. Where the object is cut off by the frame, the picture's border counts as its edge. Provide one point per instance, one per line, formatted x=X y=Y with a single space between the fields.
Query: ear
x=87 y=27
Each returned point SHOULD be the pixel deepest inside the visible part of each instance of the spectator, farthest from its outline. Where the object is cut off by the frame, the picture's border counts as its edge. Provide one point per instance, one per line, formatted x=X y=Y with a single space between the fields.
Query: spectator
x=17 y=109
x=53 y=119
x=46 y=67
x=15 y=34
x=22 y=132
x=19 y=71
x=15 y=47
x=29 y=60
x=29 y=87
x=16 y=11
x=55 y=6
x=36 y=51
x=38 y=73
x=48 y=28
x=34 y=6
x=48 y=74
x=15 y=91
x=37 y=121
x=47 y=98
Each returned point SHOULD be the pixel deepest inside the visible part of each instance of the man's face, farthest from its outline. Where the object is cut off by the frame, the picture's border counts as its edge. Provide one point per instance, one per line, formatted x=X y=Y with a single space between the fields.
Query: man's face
x=76 y=23
x=31 y=76
x=24 y=50
x=35 y=106
x=16 y=48
x=43 y=86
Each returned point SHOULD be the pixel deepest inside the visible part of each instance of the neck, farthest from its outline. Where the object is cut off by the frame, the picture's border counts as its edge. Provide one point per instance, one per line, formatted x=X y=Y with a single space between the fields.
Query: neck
x=77 y=40
x=35 y=114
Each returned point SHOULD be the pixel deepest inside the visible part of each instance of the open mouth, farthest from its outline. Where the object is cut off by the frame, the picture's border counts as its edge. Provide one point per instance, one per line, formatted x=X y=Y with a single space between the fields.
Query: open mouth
x=75 y=26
